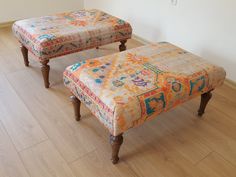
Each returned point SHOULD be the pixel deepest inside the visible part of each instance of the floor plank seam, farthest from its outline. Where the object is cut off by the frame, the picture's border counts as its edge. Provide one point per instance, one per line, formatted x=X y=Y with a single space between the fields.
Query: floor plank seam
x=33 y=145
x=48 y=137
x=86 y=154
x=16 y=151
x=196 y=164
x=225 y=159
x=21 y=159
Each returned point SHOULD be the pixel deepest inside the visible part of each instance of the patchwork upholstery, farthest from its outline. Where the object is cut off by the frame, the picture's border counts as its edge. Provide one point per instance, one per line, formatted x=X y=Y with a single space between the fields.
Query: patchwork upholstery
x=52 y=36
x=126 y=89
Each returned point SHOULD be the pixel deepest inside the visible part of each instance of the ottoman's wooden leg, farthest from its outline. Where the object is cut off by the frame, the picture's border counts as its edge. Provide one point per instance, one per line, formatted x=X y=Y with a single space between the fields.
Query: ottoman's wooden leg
x=45 y=68
x=122 y=46
x=116 y=142
x=76 y=103
x=205 y=98
x=24 y=52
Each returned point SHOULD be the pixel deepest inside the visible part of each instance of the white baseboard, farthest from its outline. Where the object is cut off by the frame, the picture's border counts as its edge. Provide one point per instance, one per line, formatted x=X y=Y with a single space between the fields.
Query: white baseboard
x=140 y=39
x=6 y=24
x=230 y=83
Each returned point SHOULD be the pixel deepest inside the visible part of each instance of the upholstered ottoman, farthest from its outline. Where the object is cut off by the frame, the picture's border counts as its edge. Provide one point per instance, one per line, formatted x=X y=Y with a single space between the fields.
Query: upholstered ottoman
x=126 y=89
x=53 y=36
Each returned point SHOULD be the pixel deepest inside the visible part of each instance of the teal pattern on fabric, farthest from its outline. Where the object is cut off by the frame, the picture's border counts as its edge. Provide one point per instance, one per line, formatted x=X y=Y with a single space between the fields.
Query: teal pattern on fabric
x=46 y=36
x=153 y=68
x=77 y=65
x=150 y=109
x=99 y=81
x=196 y=83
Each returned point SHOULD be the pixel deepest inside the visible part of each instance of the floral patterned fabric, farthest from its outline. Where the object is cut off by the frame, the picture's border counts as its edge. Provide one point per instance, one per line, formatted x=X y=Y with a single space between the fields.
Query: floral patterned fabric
x=51 y=36
x=126 y=89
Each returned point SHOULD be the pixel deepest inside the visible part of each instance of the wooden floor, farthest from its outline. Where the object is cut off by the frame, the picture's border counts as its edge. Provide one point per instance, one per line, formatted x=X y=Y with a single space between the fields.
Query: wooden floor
x=40 y=138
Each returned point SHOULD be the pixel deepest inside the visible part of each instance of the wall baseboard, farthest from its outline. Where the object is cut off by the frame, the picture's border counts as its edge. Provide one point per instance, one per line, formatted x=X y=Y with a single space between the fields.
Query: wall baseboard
x=6 y=24
x=140 y=39
x=228 y=82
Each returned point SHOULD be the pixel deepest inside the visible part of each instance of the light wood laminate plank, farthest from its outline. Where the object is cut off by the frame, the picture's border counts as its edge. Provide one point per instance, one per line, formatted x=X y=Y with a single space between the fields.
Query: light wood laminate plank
x=21 y=126
x=43 y=160
x=10 y=162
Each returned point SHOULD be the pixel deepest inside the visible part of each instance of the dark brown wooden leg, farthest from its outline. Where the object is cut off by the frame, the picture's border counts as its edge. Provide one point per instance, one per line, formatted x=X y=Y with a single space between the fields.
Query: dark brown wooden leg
x=205 y=98
x=76 y=103
x=24 y=52
x=45 y=68
x=116 y=142
x=122 y=46
x=97 y=47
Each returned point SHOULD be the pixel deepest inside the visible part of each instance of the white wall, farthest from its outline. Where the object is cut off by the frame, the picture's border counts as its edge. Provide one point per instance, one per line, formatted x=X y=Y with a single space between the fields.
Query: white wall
x=204 y=27
x=18 y=9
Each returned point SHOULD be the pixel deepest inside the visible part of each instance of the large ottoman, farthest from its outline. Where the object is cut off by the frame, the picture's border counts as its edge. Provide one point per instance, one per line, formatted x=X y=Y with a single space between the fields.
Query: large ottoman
x=126 y=89
x=53 y=36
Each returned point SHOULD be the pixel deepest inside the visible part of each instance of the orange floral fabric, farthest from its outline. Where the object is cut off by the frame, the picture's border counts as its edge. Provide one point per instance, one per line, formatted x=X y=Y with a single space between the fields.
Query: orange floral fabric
x=56 y=35
x=126 y=89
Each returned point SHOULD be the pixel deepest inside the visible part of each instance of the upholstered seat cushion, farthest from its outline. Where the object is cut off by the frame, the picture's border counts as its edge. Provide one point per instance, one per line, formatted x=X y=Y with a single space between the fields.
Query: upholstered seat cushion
x=126 y=89
x=51 y=36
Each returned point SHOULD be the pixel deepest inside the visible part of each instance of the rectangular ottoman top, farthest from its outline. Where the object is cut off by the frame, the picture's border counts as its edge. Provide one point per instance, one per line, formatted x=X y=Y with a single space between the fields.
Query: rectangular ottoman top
x=55 y=35
x=126 y=89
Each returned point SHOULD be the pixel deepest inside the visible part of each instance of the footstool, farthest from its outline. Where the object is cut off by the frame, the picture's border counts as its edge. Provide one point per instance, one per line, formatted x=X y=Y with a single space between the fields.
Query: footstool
x=53 y=36
x=126 y=89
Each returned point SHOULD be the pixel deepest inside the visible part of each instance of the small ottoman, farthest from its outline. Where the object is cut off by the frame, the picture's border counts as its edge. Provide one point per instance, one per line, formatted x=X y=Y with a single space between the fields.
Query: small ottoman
x=126 y=89
x=53 y=36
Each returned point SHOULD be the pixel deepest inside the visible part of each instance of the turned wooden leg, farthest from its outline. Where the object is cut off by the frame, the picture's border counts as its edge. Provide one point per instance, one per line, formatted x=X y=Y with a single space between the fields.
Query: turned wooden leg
x=45 y=68
x=205 y=98
x=122 y=46
x=116 y=142
x=76 y=103
x=24 y=52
